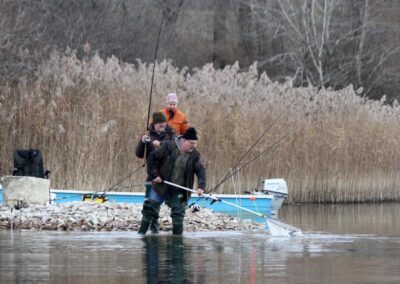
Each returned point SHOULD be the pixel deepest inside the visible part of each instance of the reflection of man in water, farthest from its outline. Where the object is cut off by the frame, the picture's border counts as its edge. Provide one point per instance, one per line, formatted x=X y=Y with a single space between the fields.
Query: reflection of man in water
x=165 y=261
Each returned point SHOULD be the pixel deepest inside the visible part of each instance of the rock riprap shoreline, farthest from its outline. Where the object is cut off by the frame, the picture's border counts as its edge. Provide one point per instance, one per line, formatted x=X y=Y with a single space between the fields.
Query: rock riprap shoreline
x=90 y=216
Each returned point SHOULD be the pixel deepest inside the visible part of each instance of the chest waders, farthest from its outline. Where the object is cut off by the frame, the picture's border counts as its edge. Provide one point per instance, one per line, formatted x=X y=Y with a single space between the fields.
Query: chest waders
x=151 y=208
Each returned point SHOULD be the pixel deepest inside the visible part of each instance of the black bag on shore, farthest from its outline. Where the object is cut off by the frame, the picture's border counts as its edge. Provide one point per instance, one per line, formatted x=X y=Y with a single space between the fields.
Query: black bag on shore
x=29 y=163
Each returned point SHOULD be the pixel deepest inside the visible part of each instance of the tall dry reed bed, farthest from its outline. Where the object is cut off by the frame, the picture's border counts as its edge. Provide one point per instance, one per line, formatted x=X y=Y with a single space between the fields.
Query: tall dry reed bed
x=86 y=116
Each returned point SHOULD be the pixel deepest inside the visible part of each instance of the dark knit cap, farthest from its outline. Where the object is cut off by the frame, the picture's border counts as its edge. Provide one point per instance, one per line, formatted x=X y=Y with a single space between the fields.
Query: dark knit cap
x=159 y=117
x=190 y=134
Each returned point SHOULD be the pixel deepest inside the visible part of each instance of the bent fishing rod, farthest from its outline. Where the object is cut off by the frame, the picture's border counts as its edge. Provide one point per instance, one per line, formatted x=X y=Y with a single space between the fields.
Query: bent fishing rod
x=154 y=68
x=148 y=109
x=146 y=146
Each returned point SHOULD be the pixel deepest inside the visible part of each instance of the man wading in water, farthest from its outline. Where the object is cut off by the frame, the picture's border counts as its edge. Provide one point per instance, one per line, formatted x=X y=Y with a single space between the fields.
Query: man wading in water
x=158 y=132
x=175 y=161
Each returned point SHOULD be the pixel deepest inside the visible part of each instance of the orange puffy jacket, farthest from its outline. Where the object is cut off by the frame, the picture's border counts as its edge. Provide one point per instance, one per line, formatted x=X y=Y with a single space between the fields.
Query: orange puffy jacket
x=178 y=121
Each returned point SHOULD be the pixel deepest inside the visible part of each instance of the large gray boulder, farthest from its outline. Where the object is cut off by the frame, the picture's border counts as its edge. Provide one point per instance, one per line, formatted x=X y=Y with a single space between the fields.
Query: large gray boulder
x=22 y=191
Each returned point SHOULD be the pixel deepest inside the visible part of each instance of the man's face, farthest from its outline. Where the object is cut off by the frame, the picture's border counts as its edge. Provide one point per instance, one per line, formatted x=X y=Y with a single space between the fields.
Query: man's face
x=188 y=146
x=160 y=127
x=171 y=106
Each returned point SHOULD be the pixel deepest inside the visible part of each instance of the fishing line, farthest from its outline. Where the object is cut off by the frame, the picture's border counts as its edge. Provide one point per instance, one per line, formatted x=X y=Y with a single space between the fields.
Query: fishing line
x=121 y=180
x=256 y=157
x=249 y=162
x=129 y=186
x=148 y=110
x=234 y=191
x=246 y=153
x=290 y=230
x=229 y=174
x=154 y=67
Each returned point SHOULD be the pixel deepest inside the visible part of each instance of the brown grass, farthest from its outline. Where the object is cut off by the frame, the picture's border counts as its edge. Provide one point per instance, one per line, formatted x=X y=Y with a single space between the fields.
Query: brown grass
x=86 y=116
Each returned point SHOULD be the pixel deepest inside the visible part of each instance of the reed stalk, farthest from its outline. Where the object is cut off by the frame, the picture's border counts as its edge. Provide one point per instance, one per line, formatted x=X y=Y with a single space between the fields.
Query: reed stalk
x=86 y=115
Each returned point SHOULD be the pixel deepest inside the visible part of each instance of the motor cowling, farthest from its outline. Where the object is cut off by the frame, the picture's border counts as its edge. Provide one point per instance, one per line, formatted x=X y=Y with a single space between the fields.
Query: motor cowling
x=277 y=188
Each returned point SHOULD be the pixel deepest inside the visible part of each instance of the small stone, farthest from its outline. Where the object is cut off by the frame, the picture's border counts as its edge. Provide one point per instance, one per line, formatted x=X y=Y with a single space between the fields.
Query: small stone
x=84 y=216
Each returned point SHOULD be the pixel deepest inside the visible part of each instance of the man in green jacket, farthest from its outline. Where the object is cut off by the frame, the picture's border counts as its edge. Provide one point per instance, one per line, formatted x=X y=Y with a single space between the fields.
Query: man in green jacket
x=177 y=162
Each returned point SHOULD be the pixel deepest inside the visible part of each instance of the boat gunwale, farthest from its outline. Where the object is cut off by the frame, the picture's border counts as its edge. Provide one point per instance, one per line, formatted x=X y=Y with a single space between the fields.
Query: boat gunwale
x=119 y=193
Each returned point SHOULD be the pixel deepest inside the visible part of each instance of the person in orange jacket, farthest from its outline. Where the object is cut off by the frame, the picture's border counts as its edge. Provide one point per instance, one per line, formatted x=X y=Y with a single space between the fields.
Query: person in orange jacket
x=176 y=119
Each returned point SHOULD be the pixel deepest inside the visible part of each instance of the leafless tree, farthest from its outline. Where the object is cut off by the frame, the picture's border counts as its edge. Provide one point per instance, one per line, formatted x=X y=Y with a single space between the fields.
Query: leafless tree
x=328 y=42
x=321 y=42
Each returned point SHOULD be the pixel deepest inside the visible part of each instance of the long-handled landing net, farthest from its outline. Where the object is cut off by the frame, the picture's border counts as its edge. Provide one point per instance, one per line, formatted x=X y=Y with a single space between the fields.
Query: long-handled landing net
x=272 y=226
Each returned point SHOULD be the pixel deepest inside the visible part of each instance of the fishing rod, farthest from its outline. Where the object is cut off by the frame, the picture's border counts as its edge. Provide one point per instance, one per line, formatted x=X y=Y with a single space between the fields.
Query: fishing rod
x=148 y=140
x=227 y=176
x=256 y=157
x=154 y=67
x=245 y=154
x=124 y=178
x=168 y=10
x=129 y=186
x=232 y=173
x=291 y=229
x=216 y=199
x=117 y=183
x=150 y=98
x=148 y=109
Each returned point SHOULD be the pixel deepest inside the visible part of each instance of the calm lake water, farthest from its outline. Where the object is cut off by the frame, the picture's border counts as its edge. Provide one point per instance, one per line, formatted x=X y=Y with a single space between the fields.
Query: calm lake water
x=340 y=244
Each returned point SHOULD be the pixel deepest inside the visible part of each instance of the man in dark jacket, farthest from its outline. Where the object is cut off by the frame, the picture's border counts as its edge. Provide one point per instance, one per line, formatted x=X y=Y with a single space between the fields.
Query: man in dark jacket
x=158 y=132
x=175 y=161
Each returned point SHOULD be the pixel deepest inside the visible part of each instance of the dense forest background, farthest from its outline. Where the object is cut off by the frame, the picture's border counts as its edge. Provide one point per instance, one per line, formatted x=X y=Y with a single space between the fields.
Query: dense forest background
x=330 y=43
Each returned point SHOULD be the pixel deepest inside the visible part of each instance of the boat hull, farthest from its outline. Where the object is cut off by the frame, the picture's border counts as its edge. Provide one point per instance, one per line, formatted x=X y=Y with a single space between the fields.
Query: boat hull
x=258 y=203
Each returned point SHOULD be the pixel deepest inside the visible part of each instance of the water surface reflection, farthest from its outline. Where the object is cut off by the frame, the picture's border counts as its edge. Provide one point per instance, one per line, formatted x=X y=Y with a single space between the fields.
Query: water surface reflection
x=381 y=218
x=341 y=244
x=165 y=259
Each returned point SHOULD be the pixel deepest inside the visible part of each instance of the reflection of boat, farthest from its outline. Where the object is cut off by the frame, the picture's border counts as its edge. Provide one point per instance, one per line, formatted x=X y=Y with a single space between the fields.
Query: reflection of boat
x=266 y=200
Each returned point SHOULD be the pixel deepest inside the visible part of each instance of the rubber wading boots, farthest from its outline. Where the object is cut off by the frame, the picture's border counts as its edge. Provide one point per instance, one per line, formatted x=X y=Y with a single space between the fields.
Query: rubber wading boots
x=177 y=228
x=154 y=227
x=144 y=225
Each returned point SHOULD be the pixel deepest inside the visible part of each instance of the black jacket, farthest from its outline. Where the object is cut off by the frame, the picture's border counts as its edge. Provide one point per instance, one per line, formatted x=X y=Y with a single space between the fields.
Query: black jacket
x=161 y=162
x=168 y=134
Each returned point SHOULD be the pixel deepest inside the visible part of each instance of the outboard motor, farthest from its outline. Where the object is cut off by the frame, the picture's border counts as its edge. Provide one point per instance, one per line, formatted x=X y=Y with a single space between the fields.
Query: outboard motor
x=277 y=188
